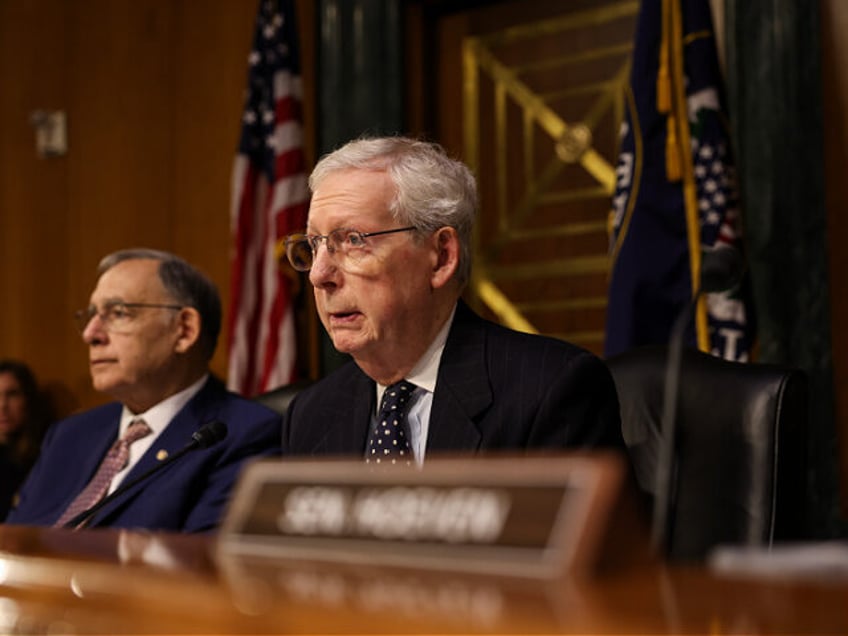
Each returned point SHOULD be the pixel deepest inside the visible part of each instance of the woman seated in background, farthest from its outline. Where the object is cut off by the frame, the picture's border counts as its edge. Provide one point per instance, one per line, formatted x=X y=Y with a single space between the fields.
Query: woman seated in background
x=24 y=416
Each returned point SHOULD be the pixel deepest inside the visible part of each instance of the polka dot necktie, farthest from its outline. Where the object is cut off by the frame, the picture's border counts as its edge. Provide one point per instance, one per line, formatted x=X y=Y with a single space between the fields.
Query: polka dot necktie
x=389 y=440
x=114 y=461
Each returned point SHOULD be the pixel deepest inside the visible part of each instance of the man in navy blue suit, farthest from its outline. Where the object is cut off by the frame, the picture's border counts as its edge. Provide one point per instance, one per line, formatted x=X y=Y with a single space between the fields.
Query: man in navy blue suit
x=151 y=328
x=388 y=251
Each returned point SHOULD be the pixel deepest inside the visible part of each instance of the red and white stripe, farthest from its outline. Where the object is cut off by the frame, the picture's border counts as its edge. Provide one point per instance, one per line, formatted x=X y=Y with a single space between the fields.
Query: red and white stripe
x=262 y=344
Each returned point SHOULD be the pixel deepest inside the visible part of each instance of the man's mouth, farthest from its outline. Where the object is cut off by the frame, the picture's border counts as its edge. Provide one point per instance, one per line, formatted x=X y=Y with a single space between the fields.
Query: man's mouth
x=344 y=316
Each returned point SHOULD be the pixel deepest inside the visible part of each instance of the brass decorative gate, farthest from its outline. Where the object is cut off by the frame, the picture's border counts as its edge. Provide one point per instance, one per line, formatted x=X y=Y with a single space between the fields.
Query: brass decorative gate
x=543 y=102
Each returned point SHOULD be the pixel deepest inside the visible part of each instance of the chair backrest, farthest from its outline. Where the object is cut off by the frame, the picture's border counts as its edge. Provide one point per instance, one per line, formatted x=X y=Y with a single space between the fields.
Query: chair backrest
x=278 y=399
x=740 y=446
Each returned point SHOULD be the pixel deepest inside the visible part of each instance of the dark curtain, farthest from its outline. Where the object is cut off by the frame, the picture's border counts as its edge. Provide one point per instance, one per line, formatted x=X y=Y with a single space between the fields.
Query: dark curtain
x=774 y=89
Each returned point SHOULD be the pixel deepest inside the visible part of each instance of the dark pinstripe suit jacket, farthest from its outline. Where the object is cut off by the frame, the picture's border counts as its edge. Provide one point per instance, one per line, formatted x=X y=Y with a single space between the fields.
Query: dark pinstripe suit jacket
x=497 y=390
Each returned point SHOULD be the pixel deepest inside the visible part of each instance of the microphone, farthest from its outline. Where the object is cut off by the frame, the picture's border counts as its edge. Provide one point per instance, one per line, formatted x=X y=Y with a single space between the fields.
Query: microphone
x=722 y=269
x=207 y=435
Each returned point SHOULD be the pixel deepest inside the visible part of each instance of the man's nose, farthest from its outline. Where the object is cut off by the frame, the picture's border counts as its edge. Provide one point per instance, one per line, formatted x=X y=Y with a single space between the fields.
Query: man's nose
x=95 y=330
x=324 y=268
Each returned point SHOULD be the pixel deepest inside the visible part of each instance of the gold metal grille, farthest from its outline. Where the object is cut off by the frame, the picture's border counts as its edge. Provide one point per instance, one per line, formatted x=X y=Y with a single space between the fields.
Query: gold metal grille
x=543 y=103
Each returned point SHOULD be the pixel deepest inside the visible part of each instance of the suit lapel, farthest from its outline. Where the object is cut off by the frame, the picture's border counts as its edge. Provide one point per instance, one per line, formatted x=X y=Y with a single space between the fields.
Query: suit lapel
x=198 y=411
x=462 y=387
x=345 y=417
x=96 y=443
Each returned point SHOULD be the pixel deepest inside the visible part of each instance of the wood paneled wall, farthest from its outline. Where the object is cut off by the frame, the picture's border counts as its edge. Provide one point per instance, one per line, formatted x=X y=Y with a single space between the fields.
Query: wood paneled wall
x=153 y=93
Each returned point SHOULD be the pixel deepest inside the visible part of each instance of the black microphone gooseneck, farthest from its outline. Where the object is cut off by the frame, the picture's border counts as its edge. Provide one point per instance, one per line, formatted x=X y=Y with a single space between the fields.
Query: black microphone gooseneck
x=204 y=437
x=721 y=269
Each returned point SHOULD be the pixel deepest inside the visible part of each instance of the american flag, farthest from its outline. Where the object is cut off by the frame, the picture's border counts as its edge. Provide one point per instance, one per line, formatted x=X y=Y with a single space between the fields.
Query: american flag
x=269 y=201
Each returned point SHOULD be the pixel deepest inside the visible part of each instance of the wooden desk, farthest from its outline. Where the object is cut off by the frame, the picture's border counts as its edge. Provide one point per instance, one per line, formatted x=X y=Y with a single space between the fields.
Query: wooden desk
x=115 y=582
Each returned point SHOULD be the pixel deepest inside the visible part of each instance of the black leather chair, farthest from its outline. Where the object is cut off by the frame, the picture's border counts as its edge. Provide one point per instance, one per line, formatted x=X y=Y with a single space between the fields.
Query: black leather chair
x=278 y=399
x=740 y=447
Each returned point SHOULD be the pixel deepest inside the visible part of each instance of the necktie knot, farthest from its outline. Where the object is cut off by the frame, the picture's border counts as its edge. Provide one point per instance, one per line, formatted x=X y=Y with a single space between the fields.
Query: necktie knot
x=389 y=440
x=396 y=396
x=135 y=431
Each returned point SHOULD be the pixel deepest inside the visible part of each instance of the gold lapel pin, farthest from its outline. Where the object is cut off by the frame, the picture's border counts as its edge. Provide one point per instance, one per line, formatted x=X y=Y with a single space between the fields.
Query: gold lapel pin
x=162 y=454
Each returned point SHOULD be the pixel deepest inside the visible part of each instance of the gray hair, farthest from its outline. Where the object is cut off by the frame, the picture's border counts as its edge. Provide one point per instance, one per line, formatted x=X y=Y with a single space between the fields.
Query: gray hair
x=433 y=190
x=185 y=283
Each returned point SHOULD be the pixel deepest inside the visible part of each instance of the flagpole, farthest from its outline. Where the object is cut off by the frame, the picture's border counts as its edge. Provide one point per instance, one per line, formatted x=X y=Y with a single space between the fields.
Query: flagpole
x=690 y=191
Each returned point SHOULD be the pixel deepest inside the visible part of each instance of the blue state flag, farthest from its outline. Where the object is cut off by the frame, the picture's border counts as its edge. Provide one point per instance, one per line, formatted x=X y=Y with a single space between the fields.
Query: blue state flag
x=676 y=191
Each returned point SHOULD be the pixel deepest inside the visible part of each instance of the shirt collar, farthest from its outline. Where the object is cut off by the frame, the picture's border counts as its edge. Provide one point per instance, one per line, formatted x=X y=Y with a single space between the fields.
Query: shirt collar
x=159 y=416
x=426 y=370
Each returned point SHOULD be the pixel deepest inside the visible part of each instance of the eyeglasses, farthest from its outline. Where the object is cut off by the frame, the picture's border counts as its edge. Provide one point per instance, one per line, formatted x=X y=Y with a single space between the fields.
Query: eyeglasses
x=115 y=316
x=343 y=242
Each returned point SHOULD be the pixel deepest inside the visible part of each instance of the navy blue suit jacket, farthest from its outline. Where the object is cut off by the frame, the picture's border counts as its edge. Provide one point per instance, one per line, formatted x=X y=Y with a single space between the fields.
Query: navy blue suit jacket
x=496 y=390
x=190 y=495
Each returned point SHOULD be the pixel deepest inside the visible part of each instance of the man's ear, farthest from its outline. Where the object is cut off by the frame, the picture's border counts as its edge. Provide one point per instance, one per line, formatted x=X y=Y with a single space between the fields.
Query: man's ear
x=446 y=256
x=189 y=329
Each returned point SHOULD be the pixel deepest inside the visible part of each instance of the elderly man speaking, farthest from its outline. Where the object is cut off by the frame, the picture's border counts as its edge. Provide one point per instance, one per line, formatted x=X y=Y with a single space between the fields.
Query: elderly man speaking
x=388 y=251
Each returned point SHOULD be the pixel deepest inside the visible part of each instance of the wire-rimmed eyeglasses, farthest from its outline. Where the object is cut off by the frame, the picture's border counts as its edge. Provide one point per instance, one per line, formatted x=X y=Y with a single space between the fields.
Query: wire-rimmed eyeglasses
x=115 y=315
x=301 y=248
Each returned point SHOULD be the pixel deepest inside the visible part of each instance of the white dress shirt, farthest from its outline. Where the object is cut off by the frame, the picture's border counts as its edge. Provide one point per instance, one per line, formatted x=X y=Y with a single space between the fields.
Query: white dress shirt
x=423 y=375
x=157 y=418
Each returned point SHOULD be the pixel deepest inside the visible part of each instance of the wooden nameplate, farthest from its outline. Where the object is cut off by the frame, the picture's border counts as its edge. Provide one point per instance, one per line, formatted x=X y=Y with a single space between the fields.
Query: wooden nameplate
x=538 y=517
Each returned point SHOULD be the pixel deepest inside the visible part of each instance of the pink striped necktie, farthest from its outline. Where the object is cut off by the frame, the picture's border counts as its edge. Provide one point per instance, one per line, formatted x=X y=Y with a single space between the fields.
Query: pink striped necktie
x=114 y=461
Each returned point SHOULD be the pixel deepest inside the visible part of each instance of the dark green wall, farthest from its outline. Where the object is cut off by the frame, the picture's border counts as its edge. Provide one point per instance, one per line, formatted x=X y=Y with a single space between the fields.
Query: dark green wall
x=359 y=82
x=774 y=88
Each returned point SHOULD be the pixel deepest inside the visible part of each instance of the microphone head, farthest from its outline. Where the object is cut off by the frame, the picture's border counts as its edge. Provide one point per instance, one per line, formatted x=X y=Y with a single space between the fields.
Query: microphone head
x=209 y=434
x=721 y=268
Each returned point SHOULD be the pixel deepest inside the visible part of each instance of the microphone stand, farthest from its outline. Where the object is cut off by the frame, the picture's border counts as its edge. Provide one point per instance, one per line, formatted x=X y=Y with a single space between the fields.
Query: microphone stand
x=80 y=521
x=667 y=457
x=721 y=270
